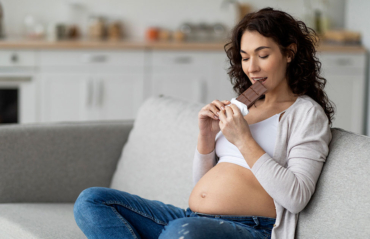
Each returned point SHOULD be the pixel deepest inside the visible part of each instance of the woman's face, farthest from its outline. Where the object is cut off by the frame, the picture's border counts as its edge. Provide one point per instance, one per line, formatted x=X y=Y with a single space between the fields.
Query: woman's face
x=262 y=60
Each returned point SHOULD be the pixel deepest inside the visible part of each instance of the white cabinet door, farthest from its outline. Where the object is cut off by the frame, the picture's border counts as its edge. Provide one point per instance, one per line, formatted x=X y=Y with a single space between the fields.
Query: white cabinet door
x=180 y=74
x=188 y=87
x=345 y=92
x=64 y=97
x=117 y=96
x=345 y=75
x=100 y=85
x=220 y=87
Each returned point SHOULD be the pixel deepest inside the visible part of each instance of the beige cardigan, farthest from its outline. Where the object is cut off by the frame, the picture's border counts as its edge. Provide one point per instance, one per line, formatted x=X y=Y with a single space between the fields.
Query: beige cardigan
x=290 y=176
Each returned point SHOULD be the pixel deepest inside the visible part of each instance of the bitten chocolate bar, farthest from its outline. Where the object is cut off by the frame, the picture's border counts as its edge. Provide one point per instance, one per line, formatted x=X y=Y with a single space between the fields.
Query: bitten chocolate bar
x=252 y=94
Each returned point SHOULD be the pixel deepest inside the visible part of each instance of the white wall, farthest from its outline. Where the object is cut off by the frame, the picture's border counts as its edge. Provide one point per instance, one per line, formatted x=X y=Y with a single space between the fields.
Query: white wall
x=137 y=15
x=357 y=19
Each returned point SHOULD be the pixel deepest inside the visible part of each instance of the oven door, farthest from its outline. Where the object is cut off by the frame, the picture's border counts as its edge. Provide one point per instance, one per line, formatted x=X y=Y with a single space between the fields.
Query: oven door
x=17 y=99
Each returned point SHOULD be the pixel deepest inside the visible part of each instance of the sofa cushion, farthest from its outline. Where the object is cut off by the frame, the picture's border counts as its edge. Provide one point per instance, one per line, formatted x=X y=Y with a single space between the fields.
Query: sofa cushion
x=156 y=162
x=38 y=220
x=54 y=162
x=341 y=204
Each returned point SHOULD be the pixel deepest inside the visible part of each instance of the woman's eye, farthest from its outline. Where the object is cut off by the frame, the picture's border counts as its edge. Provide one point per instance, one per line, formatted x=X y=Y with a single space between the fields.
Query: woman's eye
x=245 y=59
x=263 y=57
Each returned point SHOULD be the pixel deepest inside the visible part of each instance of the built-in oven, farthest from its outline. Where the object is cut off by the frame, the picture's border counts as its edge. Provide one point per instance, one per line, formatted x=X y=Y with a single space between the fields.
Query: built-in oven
x=18 y=98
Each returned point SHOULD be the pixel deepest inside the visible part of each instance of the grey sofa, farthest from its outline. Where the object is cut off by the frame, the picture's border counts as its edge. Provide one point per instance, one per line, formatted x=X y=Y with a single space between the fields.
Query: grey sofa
x=44 y=167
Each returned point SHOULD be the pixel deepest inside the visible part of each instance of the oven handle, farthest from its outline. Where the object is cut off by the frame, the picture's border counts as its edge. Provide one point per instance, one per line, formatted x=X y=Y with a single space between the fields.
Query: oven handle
x=15 y=79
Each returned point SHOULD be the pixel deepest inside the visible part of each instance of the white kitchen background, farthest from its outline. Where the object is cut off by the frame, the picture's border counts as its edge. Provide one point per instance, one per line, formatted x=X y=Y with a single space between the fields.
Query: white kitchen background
x=357 y=18
x=138 y=15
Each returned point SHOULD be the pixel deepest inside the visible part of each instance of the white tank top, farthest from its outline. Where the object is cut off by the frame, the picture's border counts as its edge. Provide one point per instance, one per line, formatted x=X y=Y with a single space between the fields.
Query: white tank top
x=263 y=132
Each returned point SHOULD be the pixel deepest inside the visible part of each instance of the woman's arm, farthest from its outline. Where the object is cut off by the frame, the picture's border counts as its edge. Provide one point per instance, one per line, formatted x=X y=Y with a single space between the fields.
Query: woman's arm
x=293 y=184
x=204 y=157
x=206 y=144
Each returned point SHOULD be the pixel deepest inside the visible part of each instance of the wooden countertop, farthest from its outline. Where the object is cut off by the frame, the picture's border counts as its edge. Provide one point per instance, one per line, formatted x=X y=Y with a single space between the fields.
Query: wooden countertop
x=126 y=44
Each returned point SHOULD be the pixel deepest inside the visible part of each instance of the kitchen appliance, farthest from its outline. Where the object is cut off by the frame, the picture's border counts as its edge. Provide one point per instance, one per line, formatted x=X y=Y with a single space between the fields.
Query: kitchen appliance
x=17 y=87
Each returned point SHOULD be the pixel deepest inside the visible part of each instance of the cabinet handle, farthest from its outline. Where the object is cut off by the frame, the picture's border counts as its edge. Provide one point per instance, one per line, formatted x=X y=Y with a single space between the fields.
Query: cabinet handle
x=183 y=60
x=343 y=61
x=14 y=58
x=90 y=89
x=94 y=58
x=100 y=93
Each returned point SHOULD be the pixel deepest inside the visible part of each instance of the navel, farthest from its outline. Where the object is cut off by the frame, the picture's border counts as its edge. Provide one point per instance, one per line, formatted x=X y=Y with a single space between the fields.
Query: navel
x=203 y=195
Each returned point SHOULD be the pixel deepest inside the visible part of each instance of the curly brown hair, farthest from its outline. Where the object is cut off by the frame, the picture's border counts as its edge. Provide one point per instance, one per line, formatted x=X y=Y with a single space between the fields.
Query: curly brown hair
x=302 y=73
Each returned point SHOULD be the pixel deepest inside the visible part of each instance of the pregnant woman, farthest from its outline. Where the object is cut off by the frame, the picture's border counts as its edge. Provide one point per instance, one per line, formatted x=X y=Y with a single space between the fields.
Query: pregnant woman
x=253 y=174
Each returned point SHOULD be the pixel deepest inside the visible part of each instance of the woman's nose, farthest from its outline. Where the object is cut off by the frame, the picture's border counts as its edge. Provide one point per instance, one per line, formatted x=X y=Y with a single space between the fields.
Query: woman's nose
x=253 y=66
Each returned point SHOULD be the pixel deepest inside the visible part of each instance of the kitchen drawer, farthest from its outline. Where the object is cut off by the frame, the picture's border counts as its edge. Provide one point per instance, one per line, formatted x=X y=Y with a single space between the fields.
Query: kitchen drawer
x=92 y=58
x=179 y=61
x=340 y=63
x=14 y=58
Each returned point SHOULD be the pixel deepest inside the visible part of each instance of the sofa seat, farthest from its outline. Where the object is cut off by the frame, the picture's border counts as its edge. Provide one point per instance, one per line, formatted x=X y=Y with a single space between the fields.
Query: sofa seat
x=38 y=220
x=44 y=167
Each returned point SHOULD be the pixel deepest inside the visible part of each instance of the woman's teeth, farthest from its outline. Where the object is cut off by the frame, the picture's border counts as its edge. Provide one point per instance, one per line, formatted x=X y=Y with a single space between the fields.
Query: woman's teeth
x=260 y=79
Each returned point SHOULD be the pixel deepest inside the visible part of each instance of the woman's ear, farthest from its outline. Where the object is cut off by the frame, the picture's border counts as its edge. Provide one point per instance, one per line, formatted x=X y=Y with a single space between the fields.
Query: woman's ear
x=292 y=48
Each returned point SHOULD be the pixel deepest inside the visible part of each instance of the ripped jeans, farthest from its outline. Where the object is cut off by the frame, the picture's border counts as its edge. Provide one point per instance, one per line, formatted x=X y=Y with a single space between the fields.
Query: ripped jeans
x=108 y=213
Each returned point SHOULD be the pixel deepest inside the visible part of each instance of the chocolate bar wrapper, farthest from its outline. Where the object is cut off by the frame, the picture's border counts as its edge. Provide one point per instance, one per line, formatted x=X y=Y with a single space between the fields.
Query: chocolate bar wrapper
x=243 y=108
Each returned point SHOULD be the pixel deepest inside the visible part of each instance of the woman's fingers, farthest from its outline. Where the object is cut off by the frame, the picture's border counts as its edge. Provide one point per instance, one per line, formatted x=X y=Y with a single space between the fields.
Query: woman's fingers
x=208 y=113
x=213 y=108
x=228 y=112
x=222 y=115
x=235 y=109
x=220 y=104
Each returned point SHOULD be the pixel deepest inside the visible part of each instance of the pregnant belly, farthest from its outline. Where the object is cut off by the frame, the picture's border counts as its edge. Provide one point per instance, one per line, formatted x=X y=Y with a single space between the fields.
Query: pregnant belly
x=229 y=189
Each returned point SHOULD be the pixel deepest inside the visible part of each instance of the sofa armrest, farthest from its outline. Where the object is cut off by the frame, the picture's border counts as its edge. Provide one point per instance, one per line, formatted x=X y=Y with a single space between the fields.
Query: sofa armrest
x=54 y=162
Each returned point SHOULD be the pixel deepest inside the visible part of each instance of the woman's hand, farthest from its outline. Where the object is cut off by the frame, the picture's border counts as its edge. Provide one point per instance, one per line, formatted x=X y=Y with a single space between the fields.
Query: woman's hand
x=233 y=125
x=208 y=118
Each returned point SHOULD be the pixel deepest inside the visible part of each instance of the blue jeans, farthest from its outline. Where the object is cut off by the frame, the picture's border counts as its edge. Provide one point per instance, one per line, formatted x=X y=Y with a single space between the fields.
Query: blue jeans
x=109 y=213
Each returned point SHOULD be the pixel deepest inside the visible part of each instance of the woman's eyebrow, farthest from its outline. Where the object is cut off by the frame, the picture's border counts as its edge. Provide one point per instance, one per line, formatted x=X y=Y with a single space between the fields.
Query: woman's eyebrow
x=257 y=49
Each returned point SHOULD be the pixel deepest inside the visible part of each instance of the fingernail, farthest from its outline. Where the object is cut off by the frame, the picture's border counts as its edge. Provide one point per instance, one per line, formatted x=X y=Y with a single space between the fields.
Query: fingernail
x=222 y=107
x=217 y=113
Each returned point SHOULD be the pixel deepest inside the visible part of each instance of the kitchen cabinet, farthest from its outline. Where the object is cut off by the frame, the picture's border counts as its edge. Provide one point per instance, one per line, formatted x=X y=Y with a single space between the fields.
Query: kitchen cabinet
x=221 y=89
x=98 y=85
x=68 y=97
x=184 y=75
x=118 y=96
x=346 y=87
x=192 y=76
x=63 y=97
x=79 y=85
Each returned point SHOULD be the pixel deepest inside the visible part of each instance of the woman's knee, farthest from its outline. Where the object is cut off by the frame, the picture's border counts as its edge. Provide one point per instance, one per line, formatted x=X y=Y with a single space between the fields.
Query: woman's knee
x=90 y=195
x=86 y=199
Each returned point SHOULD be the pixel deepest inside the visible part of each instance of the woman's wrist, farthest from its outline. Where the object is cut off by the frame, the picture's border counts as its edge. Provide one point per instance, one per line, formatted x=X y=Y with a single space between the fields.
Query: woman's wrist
x=251 y=151
x=246 y=142
x=206 y=144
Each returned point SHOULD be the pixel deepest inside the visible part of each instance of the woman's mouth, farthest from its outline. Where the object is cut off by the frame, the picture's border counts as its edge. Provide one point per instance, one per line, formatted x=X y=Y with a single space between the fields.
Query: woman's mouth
x=262 y=80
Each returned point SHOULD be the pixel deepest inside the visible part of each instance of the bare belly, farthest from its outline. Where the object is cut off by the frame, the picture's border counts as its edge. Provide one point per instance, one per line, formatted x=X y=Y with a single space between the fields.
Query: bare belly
x=229 y=189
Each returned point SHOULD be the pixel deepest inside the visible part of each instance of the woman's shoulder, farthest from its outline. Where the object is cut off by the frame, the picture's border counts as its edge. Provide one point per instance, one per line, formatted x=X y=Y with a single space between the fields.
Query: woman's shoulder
x=305 y=111
x=303 y=104
x=308 y=119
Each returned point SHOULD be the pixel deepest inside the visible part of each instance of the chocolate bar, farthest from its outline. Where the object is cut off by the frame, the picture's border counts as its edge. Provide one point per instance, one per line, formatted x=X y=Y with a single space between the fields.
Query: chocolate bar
x=252 y=94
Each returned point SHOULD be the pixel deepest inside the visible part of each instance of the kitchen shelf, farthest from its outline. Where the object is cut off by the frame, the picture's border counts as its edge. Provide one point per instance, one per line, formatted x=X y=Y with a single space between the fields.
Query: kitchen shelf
x=144 y=45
